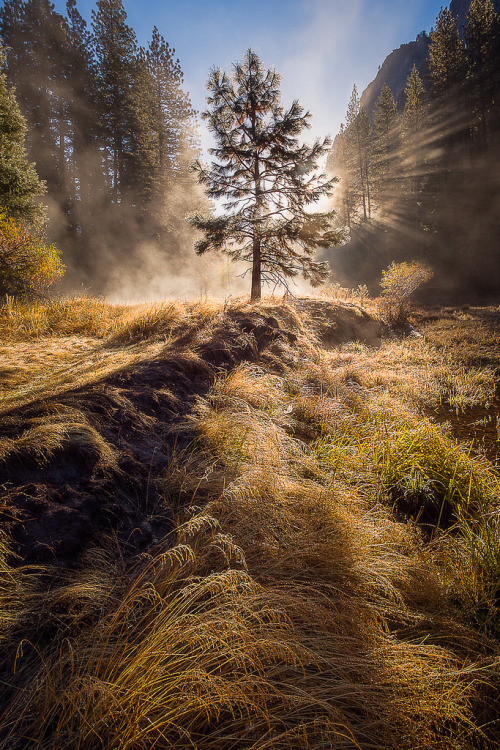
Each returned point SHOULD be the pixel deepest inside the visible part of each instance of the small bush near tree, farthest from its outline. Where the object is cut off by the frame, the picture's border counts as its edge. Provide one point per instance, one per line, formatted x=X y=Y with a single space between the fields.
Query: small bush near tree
x=28 y=266
x=399 y=283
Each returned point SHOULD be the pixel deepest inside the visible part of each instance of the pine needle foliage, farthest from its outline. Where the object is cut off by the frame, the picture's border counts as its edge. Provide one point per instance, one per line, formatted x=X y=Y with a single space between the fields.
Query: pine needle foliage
x=266 y=178
x=20 y=186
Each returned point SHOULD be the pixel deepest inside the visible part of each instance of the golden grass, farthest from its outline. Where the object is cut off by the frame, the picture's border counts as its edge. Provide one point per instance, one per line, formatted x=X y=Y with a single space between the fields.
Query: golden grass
x=81 y=316
x=308 y=603
x=319 y=544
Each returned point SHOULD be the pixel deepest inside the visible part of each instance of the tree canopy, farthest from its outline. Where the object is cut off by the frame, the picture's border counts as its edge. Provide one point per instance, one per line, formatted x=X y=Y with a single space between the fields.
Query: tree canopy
x=266 y=178
x=19 y=182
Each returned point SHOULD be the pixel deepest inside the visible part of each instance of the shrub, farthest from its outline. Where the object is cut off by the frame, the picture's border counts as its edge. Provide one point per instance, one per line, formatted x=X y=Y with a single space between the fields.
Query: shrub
x=399 y=282
x=28 y=266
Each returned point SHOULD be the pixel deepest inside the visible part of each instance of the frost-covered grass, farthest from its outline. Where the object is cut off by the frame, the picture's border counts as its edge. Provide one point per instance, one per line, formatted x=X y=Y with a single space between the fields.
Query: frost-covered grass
x=331 y=574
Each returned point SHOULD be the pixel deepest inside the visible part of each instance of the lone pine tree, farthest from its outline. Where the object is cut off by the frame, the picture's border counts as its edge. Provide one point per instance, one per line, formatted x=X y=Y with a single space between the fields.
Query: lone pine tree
x=266 y=178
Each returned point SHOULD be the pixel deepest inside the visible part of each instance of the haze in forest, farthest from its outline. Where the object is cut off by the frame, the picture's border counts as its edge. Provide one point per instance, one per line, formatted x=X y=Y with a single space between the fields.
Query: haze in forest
x=116 y=157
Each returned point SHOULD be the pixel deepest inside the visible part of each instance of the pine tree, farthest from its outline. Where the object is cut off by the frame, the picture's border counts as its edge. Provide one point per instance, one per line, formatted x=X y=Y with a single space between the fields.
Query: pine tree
x=11 y=31
x=481 y=36
x=173 y=111
x=447 y=62
x=447 y=65
x=338 y=163
x=115 y=52
x=19 y=183
x=81 y=85
x=358 y=134
x=266 y=178
x=414 y=109
x=386 y=125
x=88 y=188
x=37 y=67
x=165 y=121
x=414 y=149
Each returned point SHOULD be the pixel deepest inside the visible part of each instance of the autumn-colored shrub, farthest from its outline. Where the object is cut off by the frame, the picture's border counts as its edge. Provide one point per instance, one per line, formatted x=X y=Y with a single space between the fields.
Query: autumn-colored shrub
x=28 y=266
x=399 y=282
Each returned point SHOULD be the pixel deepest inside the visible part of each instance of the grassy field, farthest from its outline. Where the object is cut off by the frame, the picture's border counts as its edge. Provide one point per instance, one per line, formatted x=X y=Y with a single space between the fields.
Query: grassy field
x=265 y=526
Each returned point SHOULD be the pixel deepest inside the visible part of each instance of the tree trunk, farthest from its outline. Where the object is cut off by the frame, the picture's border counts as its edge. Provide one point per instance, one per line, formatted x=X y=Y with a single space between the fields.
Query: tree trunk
x=256 y=271
x=256 y=291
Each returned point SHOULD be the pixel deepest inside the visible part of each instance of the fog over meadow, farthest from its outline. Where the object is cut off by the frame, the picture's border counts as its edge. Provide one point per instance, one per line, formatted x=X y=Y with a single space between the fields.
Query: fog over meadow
x=119 y=186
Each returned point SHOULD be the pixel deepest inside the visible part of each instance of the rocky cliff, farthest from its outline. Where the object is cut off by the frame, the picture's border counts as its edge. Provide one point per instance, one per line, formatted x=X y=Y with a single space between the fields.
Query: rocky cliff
x=398 y=65
x=395 y=71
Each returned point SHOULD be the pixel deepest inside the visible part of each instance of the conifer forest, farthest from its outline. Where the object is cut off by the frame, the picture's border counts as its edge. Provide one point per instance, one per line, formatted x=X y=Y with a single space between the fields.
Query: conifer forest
x=110 y=130
x=420 y=177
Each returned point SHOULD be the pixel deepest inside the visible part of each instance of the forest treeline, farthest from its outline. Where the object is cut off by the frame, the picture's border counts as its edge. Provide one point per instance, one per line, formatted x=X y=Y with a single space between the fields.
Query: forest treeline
x=423 y=183
x=110 y=129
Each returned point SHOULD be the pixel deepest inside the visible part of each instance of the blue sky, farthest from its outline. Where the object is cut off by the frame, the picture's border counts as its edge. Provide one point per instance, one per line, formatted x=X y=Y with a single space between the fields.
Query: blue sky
x=321 y=47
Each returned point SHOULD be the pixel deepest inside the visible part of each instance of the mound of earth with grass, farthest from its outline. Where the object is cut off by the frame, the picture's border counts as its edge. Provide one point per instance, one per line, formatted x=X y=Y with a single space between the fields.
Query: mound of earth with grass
x=82 y=460
x=231 y=525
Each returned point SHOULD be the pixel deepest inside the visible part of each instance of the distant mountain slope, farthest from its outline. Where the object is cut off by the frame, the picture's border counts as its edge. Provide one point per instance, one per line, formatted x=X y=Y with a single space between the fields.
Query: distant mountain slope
x=398 y=65
x=395 y=71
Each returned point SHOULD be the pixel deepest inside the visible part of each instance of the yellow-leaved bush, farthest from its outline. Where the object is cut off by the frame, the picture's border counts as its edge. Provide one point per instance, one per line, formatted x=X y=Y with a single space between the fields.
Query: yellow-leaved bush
x=28 y=266
x=399 y=282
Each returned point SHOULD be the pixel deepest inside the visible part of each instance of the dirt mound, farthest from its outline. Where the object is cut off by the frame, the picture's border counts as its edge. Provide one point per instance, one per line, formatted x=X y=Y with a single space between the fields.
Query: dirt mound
x=339 y=323
x=96 y=457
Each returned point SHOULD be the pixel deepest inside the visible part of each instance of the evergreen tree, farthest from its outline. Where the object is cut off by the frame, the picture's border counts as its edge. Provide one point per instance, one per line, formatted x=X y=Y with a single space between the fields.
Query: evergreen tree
x=415 y=137
x=19 y=183
x=81 y=85
x=115 y=52
x=339 y=163
x=414 y=110
x=174 y=115
x=11 y=32
x=358 y=134
x=481 y=35
x=37 y=67
x=386 y=153
x=165 y=122
x=447 y=65
x=447 y=61
x=266 y=178
x=88 y=188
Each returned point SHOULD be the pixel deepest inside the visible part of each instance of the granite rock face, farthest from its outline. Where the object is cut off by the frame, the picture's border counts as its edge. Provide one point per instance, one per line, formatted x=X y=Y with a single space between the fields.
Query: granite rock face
x=398 y=65
x=395 y=71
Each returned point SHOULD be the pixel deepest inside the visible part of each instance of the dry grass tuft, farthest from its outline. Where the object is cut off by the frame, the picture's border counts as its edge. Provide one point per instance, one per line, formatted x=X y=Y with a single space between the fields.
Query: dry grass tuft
x=81 y=316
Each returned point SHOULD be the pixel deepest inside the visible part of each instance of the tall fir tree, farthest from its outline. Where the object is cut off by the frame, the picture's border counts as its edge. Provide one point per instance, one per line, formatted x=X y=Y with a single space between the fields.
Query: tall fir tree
x=81 y=84
x=386 y=148
x=339 y=163
x=481 y=36
x=415 y=136
x=414 y=113
x=447 y=60
x=115 y=48
x=20 y=186
x=447 y=66
x=174 y=115
x=166 y=123
x=358 y=135
x=89 y=186
x=37 y=67
x=266 y=178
